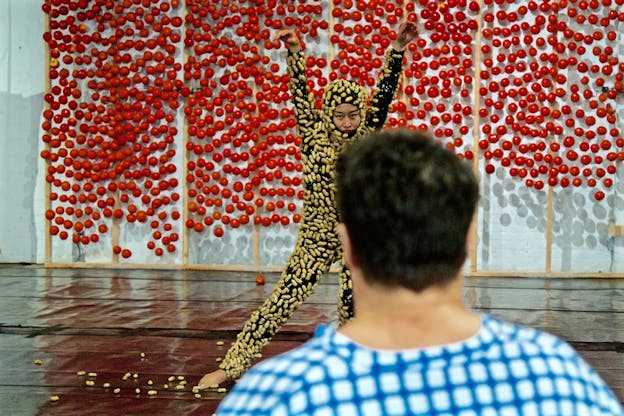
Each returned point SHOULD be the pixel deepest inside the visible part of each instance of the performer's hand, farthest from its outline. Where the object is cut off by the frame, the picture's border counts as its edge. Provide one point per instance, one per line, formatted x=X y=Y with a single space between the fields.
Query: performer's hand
x=406 y=34
x=289 y=37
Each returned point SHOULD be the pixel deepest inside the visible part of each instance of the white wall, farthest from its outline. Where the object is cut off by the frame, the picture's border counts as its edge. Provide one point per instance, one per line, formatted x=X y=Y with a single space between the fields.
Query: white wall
x=21 y=90
x=512 y=218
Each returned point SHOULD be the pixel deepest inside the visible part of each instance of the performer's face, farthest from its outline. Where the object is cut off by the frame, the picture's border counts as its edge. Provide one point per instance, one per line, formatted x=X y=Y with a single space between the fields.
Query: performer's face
x=346 y=118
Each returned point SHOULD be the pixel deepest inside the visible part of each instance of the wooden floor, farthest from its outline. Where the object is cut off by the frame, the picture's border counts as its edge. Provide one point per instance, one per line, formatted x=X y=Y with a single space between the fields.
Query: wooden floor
x=161 y=324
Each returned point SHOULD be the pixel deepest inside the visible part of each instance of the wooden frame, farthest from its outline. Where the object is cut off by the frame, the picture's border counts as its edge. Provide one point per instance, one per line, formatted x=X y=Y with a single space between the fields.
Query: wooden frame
x=615 y=230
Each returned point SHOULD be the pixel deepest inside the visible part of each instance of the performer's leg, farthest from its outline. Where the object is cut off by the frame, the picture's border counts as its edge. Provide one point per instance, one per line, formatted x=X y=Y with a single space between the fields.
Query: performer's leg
x=345 y=295
x=304 y=268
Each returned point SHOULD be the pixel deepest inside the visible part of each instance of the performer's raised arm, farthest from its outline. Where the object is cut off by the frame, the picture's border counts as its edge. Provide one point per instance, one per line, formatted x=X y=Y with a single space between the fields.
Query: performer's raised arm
x=389 y=78
x=303 y=100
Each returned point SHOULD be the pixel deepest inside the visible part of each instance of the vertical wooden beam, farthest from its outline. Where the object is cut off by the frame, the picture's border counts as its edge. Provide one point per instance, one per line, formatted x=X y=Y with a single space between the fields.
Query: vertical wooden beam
x=331 y=52
x=115 y=230
x=476 y=131
x=549 y=226
x=47 y=188
x=185 y=231
x=256 y=245
x=549 y=206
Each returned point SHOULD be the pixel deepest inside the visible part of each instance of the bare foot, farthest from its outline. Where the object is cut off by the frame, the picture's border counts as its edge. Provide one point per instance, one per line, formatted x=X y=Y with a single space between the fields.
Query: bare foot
x=212 y=380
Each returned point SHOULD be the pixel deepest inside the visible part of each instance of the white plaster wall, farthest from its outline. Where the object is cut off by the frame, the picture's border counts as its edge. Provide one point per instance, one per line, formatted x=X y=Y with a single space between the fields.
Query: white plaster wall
x=512 y=218
x=21 y=89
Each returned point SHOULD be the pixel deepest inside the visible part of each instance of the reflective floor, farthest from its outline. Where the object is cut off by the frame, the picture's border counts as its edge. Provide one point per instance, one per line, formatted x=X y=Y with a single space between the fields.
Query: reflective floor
x=153 y=333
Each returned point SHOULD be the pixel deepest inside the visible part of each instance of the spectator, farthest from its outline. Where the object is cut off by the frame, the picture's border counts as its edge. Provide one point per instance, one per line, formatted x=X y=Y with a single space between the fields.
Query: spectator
x=406 y=206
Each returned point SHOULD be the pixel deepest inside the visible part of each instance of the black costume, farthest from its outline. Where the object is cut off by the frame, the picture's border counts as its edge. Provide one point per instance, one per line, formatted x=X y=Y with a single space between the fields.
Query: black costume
x=318 y=245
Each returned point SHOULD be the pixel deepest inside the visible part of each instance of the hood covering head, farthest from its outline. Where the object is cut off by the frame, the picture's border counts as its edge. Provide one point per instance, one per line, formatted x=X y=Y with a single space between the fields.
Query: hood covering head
x=344 y=92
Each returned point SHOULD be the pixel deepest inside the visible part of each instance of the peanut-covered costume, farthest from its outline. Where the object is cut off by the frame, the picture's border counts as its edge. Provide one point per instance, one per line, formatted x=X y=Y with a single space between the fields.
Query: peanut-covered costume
x=318 y=245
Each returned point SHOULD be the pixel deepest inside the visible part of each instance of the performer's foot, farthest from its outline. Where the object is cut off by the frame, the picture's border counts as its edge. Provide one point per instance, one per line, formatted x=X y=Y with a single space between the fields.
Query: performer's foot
x=212 y=380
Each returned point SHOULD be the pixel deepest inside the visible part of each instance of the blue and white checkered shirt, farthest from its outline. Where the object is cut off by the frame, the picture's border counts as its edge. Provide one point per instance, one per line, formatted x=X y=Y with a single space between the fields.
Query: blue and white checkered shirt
x=503 y=370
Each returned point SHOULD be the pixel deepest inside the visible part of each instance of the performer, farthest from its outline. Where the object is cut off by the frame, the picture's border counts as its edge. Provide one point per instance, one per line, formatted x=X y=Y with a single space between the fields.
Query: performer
x=345 y=116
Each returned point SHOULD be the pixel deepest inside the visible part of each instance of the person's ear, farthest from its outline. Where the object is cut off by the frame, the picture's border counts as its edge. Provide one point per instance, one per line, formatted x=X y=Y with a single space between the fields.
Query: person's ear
x=346 y=246
x=470 y=236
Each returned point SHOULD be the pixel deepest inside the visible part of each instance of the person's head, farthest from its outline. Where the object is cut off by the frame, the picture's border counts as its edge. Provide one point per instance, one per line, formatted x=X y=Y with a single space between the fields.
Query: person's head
x=344 y=106
x=406 y=204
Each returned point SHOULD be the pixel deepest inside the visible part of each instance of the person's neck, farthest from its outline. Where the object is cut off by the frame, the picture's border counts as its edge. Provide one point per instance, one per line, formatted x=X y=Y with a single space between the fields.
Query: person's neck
x=401 y=319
